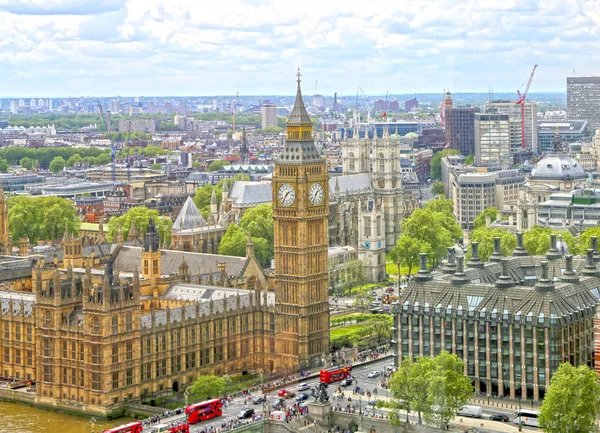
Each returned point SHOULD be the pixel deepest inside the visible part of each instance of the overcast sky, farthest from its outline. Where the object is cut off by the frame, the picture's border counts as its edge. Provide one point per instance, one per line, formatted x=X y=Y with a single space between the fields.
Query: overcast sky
x=207 y=47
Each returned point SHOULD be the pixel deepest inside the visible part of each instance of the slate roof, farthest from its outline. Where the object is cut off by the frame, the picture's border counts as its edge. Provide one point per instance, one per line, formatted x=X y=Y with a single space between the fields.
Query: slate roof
x=128 y=258
x=350 y=182
x=251 y=193
x=189 y=217
x=525 y=301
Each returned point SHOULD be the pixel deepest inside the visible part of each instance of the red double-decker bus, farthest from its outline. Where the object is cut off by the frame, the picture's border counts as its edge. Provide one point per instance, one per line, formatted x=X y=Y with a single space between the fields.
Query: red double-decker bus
x=199 y=412
x=133 y=427
x=335 y=374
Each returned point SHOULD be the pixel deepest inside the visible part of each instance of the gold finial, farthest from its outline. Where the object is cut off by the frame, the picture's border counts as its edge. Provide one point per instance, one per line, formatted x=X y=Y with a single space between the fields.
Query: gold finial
x=298 y=75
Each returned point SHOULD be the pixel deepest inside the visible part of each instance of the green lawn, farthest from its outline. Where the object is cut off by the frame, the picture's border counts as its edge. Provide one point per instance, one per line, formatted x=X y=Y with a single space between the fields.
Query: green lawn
x=346 y=331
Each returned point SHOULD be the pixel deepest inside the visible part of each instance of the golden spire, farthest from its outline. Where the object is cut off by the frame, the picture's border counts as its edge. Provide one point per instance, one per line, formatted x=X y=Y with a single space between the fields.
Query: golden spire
x=299 y=125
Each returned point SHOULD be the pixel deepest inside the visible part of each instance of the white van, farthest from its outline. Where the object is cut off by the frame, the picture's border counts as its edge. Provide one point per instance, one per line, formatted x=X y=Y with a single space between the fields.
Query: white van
x=472 y=411
x=278 y=415
x=160 y=428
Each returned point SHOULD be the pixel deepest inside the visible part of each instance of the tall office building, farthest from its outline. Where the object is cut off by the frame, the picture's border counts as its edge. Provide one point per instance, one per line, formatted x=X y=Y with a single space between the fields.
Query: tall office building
x=516 y=135
x=583 y=100
x=269 y=115
x=114 y=106
x=460 y=129
x=14 y=107
x=492 y=140
x=317 y=101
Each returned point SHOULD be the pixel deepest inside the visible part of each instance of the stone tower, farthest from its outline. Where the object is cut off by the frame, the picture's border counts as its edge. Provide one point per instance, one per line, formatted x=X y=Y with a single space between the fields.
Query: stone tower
x=300 y=212
x=151 y=258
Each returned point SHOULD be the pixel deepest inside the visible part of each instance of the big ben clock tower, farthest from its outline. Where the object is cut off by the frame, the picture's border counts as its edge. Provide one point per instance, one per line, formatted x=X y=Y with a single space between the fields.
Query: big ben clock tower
x=300 y=212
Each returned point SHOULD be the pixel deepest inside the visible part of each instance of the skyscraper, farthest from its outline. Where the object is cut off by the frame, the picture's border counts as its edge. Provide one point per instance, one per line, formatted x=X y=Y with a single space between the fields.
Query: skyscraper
x=583 y=100
x=460 y=129
x=516 y=128
x=269 y=115
x=492 y=140
x=300 y=218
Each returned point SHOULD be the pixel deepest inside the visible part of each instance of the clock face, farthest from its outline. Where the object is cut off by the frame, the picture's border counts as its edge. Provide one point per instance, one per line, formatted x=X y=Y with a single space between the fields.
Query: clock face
x=315 y=194
x=286 y=194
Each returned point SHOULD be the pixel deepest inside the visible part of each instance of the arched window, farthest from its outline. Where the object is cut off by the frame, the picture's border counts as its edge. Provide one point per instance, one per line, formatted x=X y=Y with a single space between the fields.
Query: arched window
x=128 y=322
x=351 y=162
x=115 y=325
x=381 y=163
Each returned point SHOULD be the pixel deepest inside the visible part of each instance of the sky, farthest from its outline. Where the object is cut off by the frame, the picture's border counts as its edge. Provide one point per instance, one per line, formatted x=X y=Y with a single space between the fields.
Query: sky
x=54 y=48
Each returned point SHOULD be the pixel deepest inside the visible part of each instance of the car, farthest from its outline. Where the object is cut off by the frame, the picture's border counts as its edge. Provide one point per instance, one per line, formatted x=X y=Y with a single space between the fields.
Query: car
x=374 y=293
x=246 y=413
x=281 y=392
x=390 y=368
x=346 y=382
x=258 y=399
x=373 y=373
x=389 y=290
x=324 y=384
x=302 y=386
x=288 y=394
x=302 y=397
x=499 y=417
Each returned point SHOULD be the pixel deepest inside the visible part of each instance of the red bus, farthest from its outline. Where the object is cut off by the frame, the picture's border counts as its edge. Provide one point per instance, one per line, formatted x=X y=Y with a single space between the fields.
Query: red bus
x=133 y=427
x=205 y=410
x=335 y=374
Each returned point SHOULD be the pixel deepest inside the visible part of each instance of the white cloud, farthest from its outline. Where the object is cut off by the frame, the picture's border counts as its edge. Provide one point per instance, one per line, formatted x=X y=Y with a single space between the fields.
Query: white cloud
x=254 y=46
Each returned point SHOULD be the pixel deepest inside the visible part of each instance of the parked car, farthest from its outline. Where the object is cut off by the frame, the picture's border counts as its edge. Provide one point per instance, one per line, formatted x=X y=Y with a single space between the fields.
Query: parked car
x=302 y=397
x=373 y=373
x=303 y=386
x=346 y=382
x=499 y=417
x=246 y=413
x=390 y=368
x=288 y=394
x=374 y=293
x=389 y=290
x=258 y=399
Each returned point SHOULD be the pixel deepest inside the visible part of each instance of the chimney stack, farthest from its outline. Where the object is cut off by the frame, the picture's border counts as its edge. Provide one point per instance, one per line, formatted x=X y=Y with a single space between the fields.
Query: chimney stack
x=459 y=276
x=553 y=252
x=475 y=261
x=590 y=269
x=544 y=283
x=450 y=265
x=520 y=249
x=569 y=275
x=504 y=280
x=423 y=274
x=497 y=254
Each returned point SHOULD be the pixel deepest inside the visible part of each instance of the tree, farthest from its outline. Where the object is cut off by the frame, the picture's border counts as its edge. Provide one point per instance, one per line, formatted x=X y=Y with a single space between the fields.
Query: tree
x=409 y=386
x=572 y=403
x=140 y=216
x=436 y=162
x=217 y=164
x=485 y=237
x=208 y=386
x=157 y=166
x=363 y=299
x=448 y=390
x=41 y=218
x=379 y=328
x=74 y=160
x=491 y=212
x=537 y=241
x=353 y=275
x=3 y=165
x=407 y=250
x=470 y=159
x=25 y=163
x=57 y=164
x=233 y=242
x=438 y=188
x=585 y=237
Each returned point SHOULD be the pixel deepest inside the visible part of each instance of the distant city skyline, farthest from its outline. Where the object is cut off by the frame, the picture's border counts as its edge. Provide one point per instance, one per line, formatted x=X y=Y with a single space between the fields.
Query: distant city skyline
x=58 y=48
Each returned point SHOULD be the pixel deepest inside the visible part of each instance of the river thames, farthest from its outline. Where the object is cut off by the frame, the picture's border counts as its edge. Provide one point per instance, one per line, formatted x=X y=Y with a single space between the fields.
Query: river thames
x=25 y=419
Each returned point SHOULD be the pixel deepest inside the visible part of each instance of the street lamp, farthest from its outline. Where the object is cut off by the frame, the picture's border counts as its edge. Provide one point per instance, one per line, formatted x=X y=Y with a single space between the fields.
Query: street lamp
x=360 y=405
x=186 y=394
x=520 y=425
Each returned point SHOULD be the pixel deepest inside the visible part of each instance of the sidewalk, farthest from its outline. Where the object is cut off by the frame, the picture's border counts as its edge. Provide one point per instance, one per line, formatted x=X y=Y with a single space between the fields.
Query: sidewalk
x=504 y=403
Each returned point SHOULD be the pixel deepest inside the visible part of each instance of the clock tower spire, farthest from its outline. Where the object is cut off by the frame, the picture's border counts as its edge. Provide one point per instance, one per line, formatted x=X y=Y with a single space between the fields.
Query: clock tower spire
x=300 y=213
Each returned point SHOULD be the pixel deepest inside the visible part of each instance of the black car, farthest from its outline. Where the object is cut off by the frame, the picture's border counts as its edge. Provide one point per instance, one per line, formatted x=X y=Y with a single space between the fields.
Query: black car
x=346 y=382
x=499 y=417
x=246 y=413
x=258 y=399
x=302 y=397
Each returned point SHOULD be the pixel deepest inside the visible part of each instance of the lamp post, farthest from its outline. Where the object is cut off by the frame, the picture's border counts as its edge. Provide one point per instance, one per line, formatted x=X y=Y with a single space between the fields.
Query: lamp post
x=520 y=425
x=93 y=424
x=360 y=405
x=186 y=395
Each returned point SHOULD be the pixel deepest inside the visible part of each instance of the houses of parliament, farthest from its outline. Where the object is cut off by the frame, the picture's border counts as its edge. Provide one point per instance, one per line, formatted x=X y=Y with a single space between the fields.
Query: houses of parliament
x=96 y=326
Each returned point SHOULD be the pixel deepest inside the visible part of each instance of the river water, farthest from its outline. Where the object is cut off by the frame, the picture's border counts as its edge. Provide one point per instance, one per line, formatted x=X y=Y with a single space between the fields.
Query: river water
x=25 y=419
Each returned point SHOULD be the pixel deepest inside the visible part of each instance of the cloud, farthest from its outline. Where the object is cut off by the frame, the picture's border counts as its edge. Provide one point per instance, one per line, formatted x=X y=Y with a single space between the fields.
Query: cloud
x=54 y=47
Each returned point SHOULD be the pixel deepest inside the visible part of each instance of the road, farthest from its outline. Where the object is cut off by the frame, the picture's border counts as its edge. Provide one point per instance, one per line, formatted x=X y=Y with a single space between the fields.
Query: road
x=361 y=379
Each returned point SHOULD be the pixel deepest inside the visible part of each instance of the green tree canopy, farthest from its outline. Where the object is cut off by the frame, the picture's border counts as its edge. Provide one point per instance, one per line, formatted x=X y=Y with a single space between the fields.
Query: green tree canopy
x=491 y=212
x=572 y=403
x=57 y=164
x=41 y=218
x=585 y=237
x=407 y=250
x=537 y=241
x=140 y=216
x=74 y=160
x=435 y=165
x=434 y=225
x=470 y=159
x=208 y=386
x=435 y=387
x=363 y=299
x=485 y=237
x=4 y=165
x=46 y=154
x=218 y=164
x=204 y=193
x=438 y=188
x=258 y=222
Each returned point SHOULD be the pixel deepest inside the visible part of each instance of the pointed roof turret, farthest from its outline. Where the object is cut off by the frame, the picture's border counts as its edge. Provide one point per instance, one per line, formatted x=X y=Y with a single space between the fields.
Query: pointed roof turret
x=299 y=146
x=189 y=217
x=213 y=197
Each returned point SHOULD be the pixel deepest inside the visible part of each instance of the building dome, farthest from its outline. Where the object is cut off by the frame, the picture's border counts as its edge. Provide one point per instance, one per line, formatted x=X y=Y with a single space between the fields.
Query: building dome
x=557 y=167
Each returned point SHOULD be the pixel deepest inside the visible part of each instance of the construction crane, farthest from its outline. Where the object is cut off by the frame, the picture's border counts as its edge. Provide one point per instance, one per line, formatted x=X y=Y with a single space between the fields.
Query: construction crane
x=368 y=104
x=521 y=101
x=107 y=120
x=234 y=109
